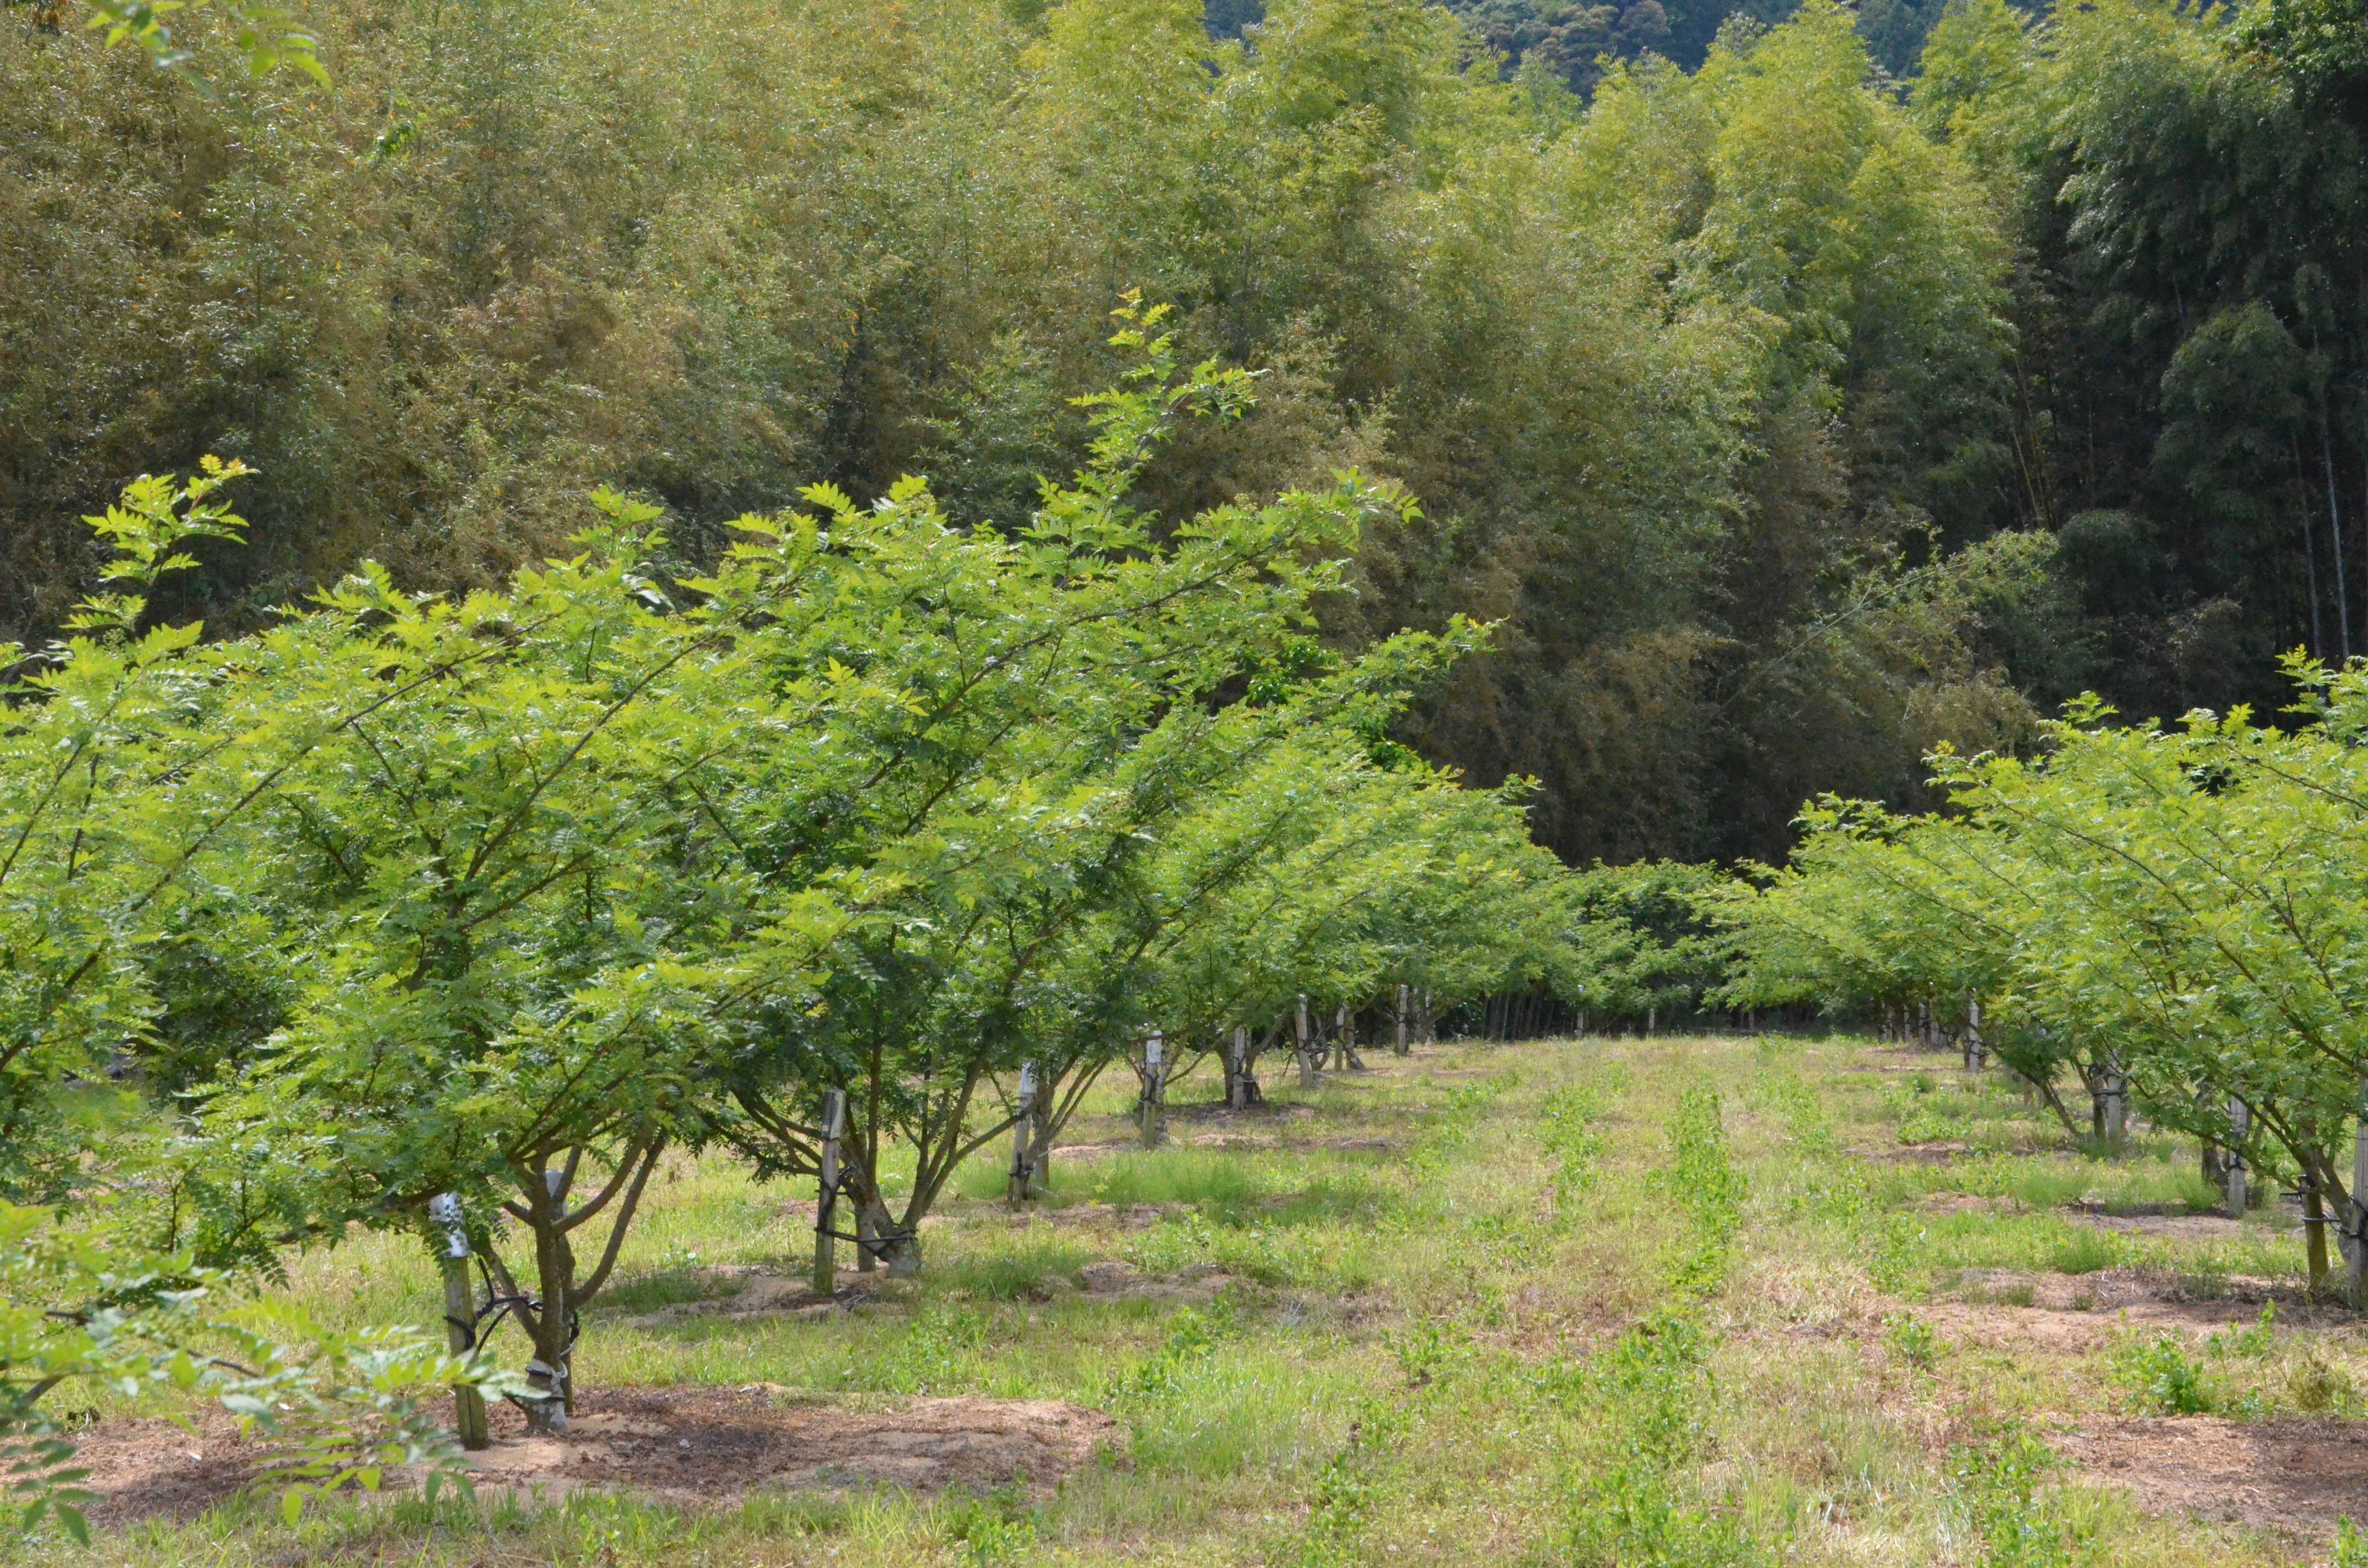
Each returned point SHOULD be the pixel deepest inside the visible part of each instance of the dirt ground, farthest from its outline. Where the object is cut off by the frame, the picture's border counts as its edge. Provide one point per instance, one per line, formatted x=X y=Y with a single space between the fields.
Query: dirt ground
x=2293 y=1476
x=697 y=1446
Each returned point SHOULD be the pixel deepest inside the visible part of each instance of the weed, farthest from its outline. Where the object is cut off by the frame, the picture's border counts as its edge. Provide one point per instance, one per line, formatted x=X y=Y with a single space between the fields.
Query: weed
x=1191 y=1335
x=1425 y=1351
x=1997 y=1486
x=2161 y=1376
x=2350 y=1545
x=2084 y=1252
x=2319 y=1385
x=1892 y=1261
x=990 y=1527
x=2257 y=1341
x=1652 y=1388
x=1924 y=1126
x=1912 y=1342
x=1348 y=1487
x=1803 y=1113
x=1565 y=1127
x=1700 y=1177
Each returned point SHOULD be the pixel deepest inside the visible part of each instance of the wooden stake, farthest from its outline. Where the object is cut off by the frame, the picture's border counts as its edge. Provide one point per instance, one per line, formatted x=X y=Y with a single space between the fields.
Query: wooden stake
x=1022 y=1129
x=834 y=1127
x=2117 y=1104
x=460 y=1316
x=2355 y=1257
x=1153 y=1076
x=2240 y=1121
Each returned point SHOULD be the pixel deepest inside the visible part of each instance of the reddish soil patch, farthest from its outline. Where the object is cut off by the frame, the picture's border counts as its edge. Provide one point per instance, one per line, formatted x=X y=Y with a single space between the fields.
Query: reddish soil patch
x=2292 y=1476
x=2073 y=1314
x=687 y=1446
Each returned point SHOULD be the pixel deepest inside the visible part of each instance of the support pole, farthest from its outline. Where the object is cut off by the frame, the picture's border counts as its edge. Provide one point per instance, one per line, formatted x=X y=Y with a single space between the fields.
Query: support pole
x=2240 y=1121
x=460 y=1316
x=2355 y=1255
x=1155 y=1073
x=2117 y=1104
x=825 y=1260
x=1023 y=1131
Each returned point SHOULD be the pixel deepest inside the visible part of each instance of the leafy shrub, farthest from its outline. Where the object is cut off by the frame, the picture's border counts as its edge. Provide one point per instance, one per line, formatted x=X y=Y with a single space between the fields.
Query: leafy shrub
x=2161 y=1376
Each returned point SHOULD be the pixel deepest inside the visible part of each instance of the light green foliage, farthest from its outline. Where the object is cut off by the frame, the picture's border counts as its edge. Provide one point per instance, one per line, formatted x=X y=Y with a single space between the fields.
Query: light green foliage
x=266 y=37
x=521 y=251
x=330 y=1407
x=1911 y=1340
x=1997 y=1484
x=2162 y=1377
x=1642 y=941
x=1567 y=1133
x=1700 y=1174
x=1655 y=1390
x=2162 y=904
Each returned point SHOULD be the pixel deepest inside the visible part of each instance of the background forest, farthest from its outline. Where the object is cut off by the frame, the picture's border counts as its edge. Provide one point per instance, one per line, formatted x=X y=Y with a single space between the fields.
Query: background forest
x=1800 y=390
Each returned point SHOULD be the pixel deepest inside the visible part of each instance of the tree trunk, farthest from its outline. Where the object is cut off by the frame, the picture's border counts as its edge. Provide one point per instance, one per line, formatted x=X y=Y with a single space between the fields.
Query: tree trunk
x=561 y=1295
x=1399 y=1045
x=1308 y=1075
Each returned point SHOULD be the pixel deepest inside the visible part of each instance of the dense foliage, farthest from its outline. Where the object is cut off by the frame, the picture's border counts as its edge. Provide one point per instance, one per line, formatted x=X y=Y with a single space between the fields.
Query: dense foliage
x=1677 y=376
x=2167 y=911
x=501 y=895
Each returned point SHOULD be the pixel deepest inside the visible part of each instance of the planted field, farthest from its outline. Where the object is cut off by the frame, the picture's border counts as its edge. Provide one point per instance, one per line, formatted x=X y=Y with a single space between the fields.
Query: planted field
x=1666 y=1301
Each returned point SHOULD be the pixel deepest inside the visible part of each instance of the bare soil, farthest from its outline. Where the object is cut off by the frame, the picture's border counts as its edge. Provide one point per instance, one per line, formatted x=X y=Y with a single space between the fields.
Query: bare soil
x=695 y=1447
x=2292 y=1476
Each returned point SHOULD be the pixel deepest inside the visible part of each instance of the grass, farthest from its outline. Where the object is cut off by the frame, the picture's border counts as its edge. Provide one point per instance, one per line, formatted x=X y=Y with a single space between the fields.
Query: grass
x=1666 y=1301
